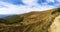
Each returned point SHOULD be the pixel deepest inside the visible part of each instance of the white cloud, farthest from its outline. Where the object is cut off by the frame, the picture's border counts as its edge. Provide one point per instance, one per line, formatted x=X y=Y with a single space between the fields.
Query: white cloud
x=50 y=0
x=13 y=9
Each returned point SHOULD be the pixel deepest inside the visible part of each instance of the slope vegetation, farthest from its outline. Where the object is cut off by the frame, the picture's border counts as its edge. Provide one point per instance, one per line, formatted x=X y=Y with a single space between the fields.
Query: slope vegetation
x=29 y=22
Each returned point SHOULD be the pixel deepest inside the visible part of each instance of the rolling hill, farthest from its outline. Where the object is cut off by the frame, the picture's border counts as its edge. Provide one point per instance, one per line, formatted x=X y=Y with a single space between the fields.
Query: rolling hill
x=29 y=22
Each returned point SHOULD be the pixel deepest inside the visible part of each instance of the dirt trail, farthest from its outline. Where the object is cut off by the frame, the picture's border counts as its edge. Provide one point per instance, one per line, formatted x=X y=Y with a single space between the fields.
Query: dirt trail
x=55 y=27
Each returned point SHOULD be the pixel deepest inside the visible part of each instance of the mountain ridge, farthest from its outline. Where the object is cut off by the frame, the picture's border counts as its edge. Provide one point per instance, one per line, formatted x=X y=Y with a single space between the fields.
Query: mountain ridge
x=32 y=21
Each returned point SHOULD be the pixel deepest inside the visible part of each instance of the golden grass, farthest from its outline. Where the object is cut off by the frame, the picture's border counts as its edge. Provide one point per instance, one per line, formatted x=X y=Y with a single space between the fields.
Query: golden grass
x=32 y=22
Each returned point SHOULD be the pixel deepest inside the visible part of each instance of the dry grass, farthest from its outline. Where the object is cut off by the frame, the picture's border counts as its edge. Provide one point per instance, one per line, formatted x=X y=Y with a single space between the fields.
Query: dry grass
x=32 y=22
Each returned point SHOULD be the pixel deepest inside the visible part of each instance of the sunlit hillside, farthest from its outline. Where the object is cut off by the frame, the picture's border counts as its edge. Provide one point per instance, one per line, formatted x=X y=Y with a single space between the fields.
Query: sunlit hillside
x=29 y=22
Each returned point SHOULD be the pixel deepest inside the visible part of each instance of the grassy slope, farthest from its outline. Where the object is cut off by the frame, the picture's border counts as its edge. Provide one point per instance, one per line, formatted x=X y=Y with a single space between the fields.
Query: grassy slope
x=32 y=22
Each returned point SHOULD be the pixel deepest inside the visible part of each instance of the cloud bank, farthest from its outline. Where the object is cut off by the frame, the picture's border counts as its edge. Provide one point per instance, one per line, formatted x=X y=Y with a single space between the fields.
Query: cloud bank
x=30 y=5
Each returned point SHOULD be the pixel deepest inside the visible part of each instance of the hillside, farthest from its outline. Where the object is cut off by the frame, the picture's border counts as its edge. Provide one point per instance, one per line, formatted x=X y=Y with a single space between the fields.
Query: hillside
x=29 y=22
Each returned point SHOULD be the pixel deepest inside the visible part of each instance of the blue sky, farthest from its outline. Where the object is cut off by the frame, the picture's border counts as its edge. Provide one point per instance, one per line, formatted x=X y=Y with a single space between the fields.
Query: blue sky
x=15 y=2
x=25 y=6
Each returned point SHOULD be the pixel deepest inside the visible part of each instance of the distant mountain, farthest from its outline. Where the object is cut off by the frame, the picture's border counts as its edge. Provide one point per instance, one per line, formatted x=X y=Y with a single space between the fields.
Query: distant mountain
x=5 y=15
x=2 y=16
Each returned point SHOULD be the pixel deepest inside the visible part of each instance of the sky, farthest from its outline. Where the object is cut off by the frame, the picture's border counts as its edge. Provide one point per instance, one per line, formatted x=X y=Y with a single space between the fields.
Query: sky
x=25 y=6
